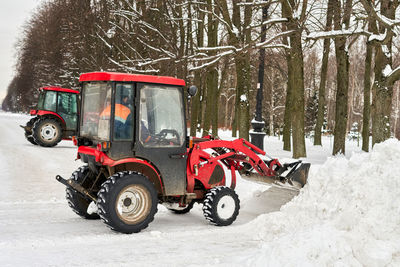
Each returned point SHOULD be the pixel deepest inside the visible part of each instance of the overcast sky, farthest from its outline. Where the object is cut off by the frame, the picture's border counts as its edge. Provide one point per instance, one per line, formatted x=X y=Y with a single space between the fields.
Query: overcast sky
x=13 y=14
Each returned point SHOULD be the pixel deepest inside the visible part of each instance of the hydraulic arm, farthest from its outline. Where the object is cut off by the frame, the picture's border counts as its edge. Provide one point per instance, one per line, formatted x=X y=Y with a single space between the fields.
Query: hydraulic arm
x=250 y=161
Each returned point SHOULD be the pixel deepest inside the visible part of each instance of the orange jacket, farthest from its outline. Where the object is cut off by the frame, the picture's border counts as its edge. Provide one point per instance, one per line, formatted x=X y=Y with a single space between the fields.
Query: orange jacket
x=121 y=112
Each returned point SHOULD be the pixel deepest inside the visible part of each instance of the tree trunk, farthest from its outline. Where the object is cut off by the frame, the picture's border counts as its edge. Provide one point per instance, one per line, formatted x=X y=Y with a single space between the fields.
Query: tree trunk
x=212 y=74
x=299 y=144
x=287 y=117
x=322 y=85
x=367 y=98
x=215 y=103
x=381 y=116
x=234 y=123
x=342 y=64
x=211 y=102
x=242 y=63
x=196 y=111
x=296 y=82
x=383 y=88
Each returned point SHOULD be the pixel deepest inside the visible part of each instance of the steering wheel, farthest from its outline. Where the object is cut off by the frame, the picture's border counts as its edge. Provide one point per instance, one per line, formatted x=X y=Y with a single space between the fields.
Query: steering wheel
x=161 y=137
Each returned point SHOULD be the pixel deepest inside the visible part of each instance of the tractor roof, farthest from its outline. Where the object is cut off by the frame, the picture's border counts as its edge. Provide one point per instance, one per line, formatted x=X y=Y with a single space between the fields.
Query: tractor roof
x=59 y=89
x=125 y=77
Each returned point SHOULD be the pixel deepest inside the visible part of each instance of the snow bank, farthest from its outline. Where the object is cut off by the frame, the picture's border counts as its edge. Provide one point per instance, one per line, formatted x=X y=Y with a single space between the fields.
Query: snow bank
x=347 y=215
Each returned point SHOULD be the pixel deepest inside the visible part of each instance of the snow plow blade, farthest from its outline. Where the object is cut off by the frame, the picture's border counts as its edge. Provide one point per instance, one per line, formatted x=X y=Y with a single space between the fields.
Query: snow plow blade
x=289 y=175
x=298 y=173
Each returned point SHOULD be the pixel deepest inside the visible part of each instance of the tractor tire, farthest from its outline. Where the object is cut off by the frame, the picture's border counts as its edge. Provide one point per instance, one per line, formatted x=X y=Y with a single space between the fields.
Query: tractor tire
x=221 y=206
x=30 y=124
x=127 y=202
x=30 y=138
x=28 y=133
x=182 y=210
x=47 y=132
x=78 y=203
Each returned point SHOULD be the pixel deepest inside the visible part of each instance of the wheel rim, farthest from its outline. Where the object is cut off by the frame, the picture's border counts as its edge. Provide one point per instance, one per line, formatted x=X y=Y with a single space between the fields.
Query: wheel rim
x=49 y=132
x=132 y=205
x=226 y=207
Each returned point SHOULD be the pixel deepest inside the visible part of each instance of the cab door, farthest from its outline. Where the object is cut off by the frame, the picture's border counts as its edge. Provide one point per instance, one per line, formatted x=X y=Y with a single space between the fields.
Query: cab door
x=123 y=122
x=67 y=109
x=161 y=133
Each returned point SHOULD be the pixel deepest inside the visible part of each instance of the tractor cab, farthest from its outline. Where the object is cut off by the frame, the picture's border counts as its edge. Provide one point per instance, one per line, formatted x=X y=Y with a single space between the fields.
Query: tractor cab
x=55 y=116
x=135 y=117
x=61 y=101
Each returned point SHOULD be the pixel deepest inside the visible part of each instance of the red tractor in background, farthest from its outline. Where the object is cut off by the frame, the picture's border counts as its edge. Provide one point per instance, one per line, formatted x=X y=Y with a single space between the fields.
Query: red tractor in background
x=56 y=116
x=133 y=140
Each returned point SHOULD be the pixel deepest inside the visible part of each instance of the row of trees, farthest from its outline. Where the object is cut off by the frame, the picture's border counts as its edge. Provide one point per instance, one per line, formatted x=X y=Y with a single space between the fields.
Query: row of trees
x=329 y=63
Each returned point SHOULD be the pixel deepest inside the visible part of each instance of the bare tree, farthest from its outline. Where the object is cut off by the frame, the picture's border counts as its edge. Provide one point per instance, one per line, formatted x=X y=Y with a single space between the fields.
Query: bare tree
x=324 y=70
x=383 y=24
x=296 y=73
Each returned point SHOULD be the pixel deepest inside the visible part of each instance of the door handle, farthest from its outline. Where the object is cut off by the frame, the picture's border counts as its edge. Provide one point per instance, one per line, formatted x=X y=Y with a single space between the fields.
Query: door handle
x=177 y=156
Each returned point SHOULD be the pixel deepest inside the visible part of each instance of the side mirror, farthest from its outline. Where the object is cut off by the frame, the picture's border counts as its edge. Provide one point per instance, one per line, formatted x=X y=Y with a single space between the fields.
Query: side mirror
x=192 y=90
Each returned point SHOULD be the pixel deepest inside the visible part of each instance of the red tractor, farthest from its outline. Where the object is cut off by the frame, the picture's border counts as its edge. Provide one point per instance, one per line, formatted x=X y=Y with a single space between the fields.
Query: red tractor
x=133 y=140
x=55 y=118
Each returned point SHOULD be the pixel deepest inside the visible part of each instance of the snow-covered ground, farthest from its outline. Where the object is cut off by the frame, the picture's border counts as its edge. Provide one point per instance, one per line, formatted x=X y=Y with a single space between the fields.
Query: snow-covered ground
x=347 y=215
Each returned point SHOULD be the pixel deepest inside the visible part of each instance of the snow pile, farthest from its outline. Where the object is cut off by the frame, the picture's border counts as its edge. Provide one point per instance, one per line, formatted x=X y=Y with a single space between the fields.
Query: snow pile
x=347 y=215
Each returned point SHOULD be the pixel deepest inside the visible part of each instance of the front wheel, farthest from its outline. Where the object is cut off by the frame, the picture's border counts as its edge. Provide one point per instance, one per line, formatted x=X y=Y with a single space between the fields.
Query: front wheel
x=221 y=206
x=47 y=132
x=127 y=202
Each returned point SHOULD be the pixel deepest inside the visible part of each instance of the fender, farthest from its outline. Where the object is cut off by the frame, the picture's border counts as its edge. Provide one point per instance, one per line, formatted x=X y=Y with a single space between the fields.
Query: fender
x=45 y=112
x=104 y=160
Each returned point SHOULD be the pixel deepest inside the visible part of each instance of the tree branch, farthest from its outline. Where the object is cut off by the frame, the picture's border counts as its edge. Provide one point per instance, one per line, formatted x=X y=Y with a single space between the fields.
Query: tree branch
x=336 y=33
x=389 y=23
x=393 y=76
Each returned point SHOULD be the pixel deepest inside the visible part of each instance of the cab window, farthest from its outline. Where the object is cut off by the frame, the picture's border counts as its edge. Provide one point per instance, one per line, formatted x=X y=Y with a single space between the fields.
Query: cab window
x=50 y=101
x=67 y=108
x=123 y=112
x=161 y=116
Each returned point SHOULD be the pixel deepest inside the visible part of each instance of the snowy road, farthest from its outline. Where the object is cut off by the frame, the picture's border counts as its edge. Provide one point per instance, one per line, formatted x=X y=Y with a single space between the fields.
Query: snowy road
x=348 y=214
x=37 y=227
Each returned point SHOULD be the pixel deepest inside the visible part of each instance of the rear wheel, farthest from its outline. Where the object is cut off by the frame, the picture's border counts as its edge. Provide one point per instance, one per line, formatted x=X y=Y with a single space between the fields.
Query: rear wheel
x=78 y=203
x=221 y=206
x=127 y=202
x=47 y=132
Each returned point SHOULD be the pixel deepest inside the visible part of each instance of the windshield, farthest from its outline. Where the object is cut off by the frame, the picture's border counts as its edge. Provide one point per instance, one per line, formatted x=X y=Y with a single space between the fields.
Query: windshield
x=47 y=100
x=96 y=97
x=42 y=95
x=161 y=116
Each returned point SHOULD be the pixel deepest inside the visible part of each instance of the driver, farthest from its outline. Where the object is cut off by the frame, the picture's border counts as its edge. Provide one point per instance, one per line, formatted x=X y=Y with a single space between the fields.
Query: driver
x=123 y=115
x=123 y=120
